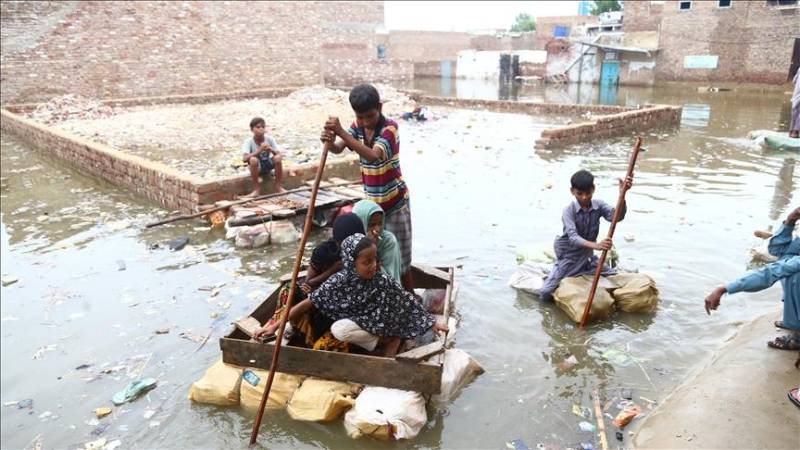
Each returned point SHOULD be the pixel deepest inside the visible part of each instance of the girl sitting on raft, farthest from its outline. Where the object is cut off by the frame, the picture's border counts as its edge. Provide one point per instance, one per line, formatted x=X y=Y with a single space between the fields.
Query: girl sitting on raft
x=367 y=306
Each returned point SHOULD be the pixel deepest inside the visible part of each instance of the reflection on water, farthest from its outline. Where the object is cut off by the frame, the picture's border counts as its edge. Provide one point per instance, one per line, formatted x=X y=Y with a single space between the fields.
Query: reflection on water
x=480 y=195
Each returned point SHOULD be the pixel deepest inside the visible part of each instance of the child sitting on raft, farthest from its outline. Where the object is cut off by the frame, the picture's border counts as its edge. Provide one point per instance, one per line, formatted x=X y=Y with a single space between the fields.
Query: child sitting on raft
x=367 y=306
x=371 y=216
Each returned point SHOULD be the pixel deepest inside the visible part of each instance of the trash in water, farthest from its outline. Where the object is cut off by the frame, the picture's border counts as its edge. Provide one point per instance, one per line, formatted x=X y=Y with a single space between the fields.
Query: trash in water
x=626 y=393
x=102 y=411
x=213 y=315
x=45 y=415
x=83 y=366
x=112 y=445
x=154 y=423
x=587 y=427
x=517 y=444
x=586 y=446
x=99 y=429
x=11 y=403
x=250 y=377
x=95 y=445
x=582 y=411
x=567 y=363
x=617 y=357
x=27 y=403
x=162 y=330
x=225 y=305
x=9 y=280
x=45 y=348
x=626 y=415
x=149 y=413
x=133 y=390
x=121 y=265
x=178 y=243
x=619 y=436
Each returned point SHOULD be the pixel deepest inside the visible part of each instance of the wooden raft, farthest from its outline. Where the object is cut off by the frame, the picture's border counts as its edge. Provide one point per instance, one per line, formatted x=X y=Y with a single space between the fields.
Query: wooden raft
x=332 y=194
x=419 y=369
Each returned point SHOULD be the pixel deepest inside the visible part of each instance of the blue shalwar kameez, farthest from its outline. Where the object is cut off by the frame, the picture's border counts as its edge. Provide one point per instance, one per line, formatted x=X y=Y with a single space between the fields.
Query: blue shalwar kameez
x=786 y=269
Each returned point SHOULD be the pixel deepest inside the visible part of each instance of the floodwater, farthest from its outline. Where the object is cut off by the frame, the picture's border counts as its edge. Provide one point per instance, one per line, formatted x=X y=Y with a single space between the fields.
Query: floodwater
x=480 y=195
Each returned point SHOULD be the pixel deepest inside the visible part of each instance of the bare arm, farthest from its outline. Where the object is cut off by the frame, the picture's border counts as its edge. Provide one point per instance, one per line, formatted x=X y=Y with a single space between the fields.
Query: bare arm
x=317 y=279
x=347 y=140
x=295 y=313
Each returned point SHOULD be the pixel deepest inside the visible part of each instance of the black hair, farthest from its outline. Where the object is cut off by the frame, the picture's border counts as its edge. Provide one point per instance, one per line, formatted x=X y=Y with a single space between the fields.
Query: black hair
x=364 y=97
x=256 y=121
x=364 y=243
x=582 y=180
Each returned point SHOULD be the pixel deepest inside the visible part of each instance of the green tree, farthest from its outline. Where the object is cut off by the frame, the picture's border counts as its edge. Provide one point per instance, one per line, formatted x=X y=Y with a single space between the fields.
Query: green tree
x=601 y=6
x=524 y=22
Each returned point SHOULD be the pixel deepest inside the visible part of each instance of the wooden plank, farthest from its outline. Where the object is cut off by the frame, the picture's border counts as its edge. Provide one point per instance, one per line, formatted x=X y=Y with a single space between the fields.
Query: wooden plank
x=283 y=213
x=424 y=377
x=288 y=277
x=425 y=280
x=249 y=325
x=448 y=300
x=433 y=271
x=418 y=354
x=340 y=181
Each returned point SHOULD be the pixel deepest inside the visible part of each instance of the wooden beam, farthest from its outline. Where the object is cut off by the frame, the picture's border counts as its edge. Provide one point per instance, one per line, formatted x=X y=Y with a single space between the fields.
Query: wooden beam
x=418 y=354
x=424 y=377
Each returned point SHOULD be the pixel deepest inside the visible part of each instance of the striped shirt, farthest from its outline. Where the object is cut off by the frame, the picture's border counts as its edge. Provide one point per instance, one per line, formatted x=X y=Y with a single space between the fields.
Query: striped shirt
x=383 y=180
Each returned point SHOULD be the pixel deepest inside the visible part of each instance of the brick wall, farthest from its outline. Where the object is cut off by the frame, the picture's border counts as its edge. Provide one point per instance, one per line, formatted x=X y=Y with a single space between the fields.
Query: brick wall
x=642 y=16
x=423 y=46
x=152 y=180
x=545 y=26
x=133 y=49
x=753 y=41
x=611 y=125
x=524 y=41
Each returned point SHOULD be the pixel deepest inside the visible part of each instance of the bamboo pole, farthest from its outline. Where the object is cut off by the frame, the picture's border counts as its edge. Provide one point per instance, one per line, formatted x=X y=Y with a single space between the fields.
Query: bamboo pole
x=292 y=287
x=620 y=201
x=601 y=425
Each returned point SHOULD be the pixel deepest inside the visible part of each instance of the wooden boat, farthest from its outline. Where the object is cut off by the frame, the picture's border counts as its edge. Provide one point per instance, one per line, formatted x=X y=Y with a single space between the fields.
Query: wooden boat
x=419 y=369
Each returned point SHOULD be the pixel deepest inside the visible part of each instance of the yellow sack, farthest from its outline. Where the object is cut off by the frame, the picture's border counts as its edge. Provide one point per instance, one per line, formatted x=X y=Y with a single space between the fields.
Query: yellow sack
x=219 y=386
x=322 y=400
x=283 y=386
x=636 y=293
x=573 y=292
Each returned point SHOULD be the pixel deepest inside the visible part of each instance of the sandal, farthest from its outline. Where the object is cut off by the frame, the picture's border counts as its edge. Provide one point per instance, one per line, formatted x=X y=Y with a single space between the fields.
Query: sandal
x=133 y=390
x=788 y=342
x=794 y=396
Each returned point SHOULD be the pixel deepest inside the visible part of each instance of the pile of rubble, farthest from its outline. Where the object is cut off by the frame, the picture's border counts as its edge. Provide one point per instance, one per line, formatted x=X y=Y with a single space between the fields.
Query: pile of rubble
x=70 y=107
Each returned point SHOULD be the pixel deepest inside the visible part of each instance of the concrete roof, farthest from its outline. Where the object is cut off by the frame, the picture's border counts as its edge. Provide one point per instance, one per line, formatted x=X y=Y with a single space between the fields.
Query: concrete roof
x=619 y=48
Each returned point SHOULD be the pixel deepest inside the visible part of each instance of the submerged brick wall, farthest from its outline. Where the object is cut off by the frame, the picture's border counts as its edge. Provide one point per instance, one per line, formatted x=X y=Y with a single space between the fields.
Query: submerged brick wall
x=611 y=125
x=133 y=49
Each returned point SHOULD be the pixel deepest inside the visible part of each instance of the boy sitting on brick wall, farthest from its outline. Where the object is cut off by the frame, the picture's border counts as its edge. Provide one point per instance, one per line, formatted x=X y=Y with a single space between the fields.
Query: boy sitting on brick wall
x=261 y=154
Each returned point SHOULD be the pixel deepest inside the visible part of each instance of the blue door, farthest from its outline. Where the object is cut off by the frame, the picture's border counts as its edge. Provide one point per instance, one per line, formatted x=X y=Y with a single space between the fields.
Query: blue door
x=446 y=68
x=609 y=73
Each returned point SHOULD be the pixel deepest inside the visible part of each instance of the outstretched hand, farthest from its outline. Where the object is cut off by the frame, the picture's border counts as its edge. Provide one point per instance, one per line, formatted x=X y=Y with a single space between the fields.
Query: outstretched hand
x=713 y=299
x=265 y=331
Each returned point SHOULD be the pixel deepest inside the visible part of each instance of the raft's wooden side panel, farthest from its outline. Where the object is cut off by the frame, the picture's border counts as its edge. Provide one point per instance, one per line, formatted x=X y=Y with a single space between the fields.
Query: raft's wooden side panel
x=425 y=377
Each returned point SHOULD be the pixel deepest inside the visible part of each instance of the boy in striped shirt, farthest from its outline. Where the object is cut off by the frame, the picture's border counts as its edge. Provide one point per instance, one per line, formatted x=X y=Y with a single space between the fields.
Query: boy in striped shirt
x=375 y=139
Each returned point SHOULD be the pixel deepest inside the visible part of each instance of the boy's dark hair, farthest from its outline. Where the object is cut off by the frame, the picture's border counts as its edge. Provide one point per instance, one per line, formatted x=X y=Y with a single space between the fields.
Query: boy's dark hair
x=364 y=97
x=257 y=121
x=582 y=180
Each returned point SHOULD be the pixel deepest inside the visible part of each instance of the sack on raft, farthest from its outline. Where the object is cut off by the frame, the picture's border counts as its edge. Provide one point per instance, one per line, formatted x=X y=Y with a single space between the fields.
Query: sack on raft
x=319 y=400
x=253 y=384
x=219 y=386
x=257 y=236
x=458 y=370
x=386 y=414
x=530 y=276
x=636 y=292
x=573 y=293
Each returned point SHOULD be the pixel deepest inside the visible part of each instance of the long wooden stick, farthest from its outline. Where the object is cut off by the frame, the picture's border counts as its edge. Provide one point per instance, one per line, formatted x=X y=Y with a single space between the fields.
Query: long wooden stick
x=620 y=201
x=292 y=287
x=218 y=208
x=601 y=424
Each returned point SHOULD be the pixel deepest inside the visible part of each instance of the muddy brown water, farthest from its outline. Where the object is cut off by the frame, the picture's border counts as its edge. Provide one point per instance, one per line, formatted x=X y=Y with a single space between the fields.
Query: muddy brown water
x=480 y=195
